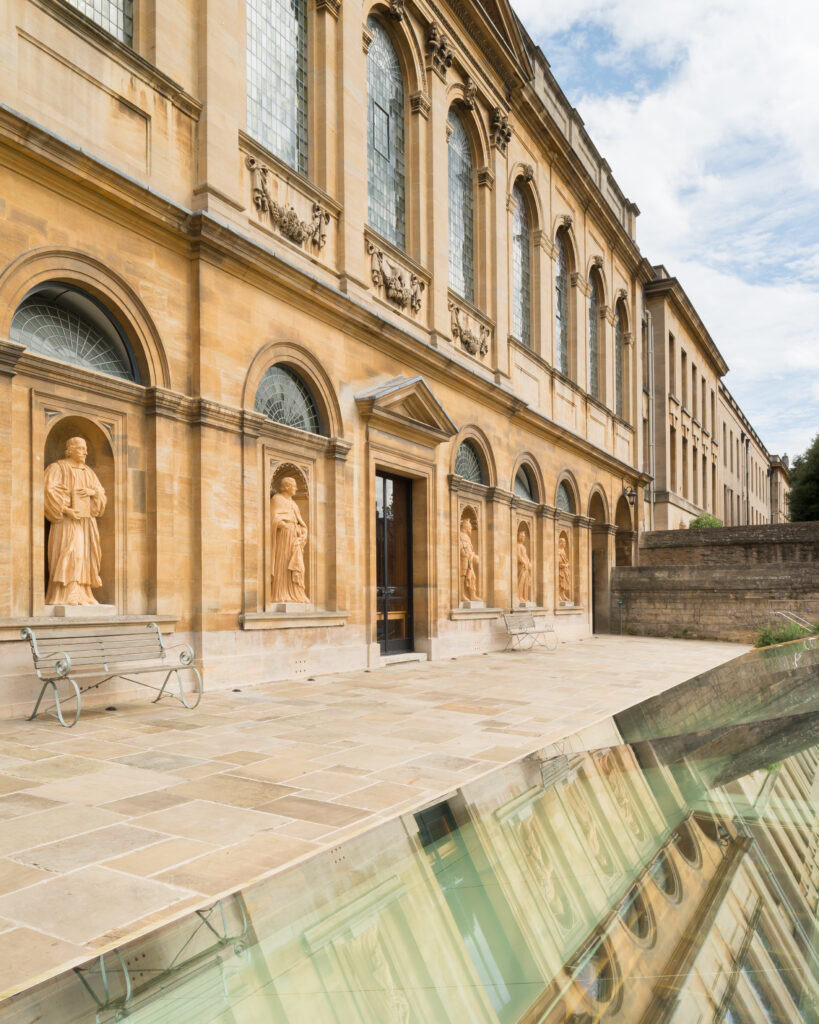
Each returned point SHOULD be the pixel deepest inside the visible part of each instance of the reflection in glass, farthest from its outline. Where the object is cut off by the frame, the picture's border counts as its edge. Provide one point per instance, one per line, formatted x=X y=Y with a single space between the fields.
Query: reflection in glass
x=634 y=914
x=664 y=875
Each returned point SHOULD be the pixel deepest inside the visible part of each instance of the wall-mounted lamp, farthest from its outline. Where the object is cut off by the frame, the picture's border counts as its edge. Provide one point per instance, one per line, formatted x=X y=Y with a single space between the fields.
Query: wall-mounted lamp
x=629 y=493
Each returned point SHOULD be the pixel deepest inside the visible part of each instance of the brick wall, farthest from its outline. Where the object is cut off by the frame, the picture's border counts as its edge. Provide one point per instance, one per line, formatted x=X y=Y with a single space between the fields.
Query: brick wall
x=718 y=584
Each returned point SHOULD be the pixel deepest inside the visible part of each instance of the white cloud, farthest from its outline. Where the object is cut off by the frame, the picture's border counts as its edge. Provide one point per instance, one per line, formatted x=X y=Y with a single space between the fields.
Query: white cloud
x=722 y=156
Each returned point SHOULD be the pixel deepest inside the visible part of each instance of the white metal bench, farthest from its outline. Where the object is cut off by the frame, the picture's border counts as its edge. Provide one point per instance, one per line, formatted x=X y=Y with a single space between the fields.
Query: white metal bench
x=112 y=654
x=523 y=634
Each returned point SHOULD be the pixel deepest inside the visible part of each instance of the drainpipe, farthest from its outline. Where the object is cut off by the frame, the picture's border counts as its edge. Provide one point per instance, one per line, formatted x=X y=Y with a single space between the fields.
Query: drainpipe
x=652 y=446
x=747 y=440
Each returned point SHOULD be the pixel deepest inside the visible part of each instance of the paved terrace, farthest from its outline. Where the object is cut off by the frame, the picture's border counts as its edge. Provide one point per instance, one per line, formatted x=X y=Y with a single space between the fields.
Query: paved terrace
x=136 y=817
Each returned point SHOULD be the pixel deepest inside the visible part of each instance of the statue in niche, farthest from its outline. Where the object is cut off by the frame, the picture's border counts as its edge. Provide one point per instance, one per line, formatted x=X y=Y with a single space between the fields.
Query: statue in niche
x=524 y=566
x=289 y=538
x=468 y=562
x=74 y=500
x=564 y=571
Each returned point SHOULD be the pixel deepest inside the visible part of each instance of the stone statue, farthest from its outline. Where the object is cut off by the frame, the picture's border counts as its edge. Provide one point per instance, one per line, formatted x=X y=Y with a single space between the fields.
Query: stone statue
x=289 y=537
x=564 y=571
x=524 y=568
x=73 y=501
x=468 y=562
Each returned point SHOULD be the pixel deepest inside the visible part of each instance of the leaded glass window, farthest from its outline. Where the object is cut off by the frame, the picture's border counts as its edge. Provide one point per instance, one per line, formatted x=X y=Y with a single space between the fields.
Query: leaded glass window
x=115 y=16
x=561 y=307
x=468 y=463
x=385 y=137
x=64 y=324
x=521 y=270
x=284 y=398
x=594 y=346
x=618 y=363
x=523 y=485
x=277 y=78
x=564 y=499
x=461 y=211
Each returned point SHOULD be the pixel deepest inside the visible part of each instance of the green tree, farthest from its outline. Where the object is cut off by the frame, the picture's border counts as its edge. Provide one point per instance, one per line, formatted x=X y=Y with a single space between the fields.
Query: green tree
x=804 y=481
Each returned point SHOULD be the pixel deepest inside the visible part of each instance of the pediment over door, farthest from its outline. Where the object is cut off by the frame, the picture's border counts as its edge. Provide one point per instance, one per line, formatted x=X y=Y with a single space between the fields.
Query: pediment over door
x=406 y=406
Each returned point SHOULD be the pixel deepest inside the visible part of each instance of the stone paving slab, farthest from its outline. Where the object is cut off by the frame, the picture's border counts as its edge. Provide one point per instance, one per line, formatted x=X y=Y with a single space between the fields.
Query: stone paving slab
x=137 y=816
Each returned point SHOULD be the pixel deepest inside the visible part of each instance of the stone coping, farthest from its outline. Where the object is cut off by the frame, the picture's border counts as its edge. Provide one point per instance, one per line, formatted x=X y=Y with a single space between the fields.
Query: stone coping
x=46 y=624
x=292 y=620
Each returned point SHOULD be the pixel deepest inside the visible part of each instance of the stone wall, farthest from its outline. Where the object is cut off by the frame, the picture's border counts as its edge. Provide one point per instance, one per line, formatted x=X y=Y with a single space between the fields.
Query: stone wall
x=718 y=584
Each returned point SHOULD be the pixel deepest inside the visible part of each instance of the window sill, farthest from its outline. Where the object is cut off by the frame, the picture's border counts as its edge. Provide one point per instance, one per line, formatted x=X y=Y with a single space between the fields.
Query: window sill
x=292 y=620
x=473 y=614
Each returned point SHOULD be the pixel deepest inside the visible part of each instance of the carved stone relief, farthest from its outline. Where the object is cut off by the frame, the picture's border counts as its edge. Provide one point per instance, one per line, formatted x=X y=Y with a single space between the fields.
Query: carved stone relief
x=564 y=569
x=397 y=10
x=381 y=993
x=524 y=560
x=475 y=341
x=541 y=867
x=468 y=556
x=286 y=218
x=588 y=826
x=614 y=773
x=73 y=500
x=288 y=539
x=439 y=53
x=398 y=285
x=470 y=91
x=500 y=131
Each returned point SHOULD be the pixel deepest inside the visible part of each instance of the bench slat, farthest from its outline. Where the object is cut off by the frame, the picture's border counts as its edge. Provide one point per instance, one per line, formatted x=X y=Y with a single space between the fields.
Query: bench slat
x=81 y=649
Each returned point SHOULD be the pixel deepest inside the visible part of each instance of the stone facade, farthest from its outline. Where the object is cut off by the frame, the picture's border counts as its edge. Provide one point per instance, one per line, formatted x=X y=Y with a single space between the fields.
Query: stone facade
x=706 y=455
x=137 y=189
x=718 y=584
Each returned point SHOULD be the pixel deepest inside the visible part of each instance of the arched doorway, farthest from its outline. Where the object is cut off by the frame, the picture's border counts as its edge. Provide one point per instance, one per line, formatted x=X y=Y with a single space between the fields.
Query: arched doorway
x=600 y=563
x=624 y=543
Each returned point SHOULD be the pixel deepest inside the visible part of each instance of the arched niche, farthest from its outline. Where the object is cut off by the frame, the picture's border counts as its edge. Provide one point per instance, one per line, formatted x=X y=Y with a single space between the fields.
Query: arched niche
x=470 y=588
x=600 y=561
x=279 y=473
x=101 y=459
x=524 y=576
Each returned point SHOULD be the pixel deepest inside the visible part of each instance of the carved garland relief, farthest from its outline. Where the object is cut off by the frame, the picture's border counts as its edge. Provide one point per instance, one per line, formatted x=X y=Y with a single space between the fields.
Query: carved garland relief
x=399 y=286
x=286 y=218
x=474 y=340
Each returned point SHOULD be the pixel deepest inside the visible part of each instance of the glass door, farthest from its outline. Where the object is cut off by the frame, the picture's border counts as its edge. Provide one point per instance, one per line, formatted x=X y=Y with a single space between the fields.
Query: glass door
x=393 y=544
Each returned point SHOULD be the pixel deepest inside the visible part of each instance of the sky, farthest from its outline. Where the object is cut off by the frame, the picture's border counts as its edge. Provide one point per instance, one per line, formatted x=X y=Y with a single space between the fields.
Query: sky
x=708 y=113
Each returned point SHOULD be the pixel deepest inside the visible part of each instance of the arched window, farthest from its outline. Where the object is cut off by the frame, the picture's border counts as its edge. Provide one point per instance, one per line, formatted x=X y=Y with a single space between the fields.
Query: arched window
x=277 y=78
x=468 y=463
x=284 y=398
x=66 y=324
x=521 y=270
x=385 y=137
x=523 y=484
x=619 y=405
x=461 y=211
x=594 y=332
x=561 y=307
x=564 y=499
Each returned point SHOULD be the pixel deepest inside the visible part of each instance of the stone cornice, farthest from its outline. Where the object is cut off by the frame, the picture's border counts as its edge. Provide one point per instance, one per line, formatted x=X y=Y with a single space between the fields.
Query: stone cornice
x=670 y=288
x=499 y=496
x=10 y=353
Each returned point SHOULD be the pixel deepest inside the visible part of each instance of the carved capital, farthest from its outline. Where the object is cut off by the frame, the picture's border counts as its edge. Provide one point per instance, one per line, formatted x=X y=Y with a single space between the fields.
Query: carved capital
x=420 y=104
x=366 y=40
x=628 y=338
x=500 y=131
x=332 y=7
x=486 y=178
x=439 y=52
